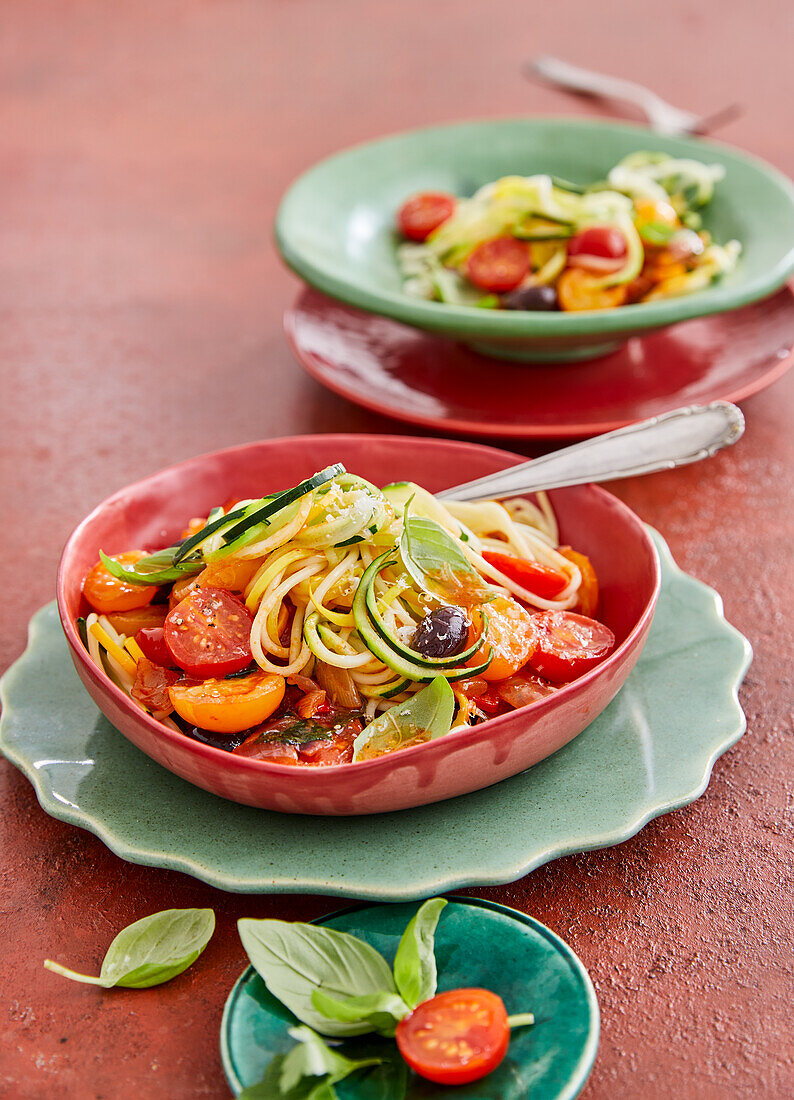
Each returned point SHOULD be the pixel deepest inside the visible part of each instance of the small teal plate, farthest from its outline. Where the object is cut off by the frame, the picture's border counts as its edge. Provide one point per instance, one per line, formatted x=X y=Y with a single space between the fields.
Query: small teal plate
x=650 y=751
x=478 y=944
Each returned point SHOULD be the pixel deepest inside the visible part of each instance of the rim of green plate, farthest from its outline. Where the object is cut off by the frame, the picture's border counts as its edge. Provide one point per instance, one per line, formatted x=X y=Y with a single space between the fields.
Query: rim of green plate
x=581 y=1070
x=471 y=321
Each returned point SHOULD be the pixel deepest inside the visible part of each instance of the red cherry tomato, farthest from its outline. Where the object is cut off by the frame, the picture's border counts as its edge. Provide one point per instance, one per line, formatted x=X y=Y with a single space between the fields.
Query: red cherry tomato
x=588 y=589
x=152 y=682
x=208 y=633
x=498 y=265
x=598 y=240
x=152 y=643
x=422 y=213
x=568 y=644
x=539 y=579
x=455 y=1037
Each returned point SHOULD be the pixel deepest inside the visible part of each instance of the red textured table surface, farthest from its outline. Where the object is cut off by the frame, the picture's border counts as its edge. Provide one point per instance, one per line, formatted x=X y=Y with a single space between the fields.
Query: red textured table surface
x=143 y=148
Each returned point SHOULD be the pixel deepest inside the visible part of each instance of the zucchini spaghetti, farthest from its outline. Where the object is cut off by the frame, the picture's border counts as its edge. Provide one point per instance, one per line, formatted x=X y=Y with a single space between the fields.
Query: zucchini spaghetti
x=335 y=621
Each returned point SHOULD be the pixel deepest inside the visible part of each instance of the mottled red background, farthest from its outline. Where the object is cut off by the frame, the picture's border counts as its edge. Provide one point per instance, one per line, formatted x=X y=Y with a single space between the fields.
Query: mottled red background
x=143 y=149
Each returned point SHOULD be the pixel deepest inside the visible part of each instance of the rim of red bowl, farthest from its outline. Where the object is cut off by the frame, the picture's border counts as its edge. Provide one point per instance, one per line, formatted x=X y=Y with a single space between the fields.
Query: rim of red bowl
x=462 y=736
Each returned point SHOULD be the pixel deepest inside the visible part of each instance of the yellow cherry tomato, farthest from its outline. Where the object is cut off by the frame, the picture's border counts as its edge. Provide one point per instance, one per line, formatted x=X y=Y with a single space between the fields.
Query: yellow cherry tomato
x=228 y=706
x=511 y=634
x=106 y=593
x=648 y=211
x=578 y=290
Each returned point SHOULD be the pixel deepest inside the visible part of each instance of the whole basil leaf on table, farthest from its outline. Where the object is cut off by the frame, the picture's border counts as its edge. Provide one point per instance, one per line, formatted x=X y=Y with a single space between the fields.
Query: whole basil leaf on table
x=150 y=951
x=429 y=711
x=294 y=959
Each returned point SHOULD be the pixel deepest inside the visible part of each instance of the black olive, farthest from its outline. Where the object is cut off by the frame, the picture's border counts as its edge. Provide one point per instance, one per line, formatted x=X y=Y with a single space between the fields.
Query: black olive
x=531 y=297
x=442 y=633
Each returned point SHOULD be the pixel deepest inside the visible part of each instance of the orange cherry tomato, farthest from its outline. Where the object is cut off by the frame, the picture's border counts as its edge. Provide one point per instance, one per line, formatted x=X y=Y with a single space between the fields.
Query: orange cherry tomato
x=588 y=590
x=139 y=618
x=539 y=579
x=498 y=265
x=105 y=593
x=568 y=645
x=455 y=1037
x=228 y=706
x=510 y=633
x=577 y=289
x=227 y=573
x=422 y=213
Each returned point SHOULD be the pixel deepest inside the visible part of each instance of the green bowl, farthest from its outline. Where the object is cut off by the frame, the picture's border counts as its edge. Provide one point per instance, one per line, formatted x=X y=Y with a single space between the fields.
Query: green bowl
x=335 y=227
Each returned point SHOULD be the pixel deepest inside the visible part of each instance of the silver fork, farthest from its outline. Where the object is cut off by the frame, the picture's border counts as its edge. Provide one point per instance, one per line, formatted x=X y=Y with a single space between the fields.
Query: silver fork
x=662 y=116
x=662 y=443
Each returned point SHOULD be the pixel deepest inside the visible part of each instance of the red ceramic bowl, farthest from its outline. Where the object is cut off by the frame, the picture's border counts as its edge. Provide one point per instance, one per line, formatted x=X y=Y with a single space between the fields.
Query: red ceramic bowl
x=152 y=513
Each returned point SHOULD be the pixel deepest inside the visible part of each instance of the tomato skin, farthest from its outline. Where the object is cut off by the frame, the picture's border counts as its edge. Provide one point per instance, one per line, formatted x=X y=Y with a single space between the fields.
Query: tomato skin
x=152 y=643
x=568 y=645
x=208 y=633
x=598 y=240
x=455 y=1037
x=152 y=682
x=425 y=212
x=498 y=265
x=106 y=593
x=539 y=579
x=510 y=633
x=588 y=589
x=228 y=706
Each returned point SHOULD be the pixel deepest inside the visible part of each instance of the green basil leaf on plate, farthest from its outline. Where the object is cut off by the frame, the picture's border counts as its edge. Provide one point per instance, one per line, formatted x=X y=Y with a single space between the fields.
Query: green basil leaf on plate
x=307 y=1072
x=150 y=951
x=426 y=715
x=294 y=959
x=415 y=962
x=381 y=1011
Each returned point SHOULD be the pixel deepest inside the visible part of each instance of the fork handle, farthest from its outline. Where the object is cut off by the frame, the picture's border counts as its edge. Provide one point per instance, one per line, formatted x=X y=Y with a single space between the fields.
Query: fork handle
x=598 y=84
x=661 y=443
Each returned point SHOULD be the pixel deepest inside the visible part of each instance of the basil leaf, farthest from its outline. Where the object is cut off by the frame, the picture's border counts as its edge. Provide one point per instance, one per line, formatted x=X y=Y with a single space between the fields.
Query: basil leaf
x=415 y=962
x=429 y=713
x=382 y=1011
x=150 y=951
x=154 y=569
x=312 y=1057
x=307 y=1072
x=431 y=556
x=294 y=959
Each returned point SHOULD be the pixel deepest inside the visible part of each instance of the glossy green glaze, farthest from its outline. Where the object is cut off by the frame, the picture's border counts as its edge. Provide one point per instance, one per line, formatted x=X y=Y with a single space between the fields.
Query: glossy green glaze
x=335 y=226
x=650 y=751
x=478 y=944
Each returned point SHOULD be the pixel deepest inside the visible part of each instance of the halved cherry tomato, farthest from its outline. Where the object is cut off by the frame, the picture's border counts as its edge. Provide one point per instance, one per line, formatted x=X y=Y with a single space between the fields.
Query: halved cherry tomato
x=510 y=633
x=603 y=242
x=152 y=682
x=455 y=1037
x=105 y=593
x=422 y=213
x=230 y=573
x=578 y=290
x=540 y=579
x=139 y=618
x=151 y=639
x=568 y=645
x=498 y=265
x=524 y=688
x=208 y=634
x=228 y=706
x=587 y=602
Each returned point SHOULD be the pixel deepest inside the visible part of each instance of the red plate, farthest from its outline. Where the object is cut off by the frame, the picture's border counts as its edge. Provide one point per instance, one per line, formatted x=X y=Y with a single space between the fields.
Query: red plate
x=429 y=380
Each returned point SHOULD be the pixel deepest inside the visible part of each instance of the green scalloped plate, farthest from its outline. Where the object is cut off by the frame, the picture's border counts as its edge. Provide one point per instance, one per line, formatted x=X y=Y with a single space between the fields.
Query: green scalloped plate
x=478 y=944
x=650 y=751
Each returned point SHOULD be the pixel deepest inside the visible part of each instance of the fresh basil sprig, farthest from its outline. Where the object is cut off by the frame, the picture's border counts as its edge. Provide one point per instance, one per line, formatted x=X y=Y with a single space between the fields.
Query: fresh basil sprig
x=429 y=711
x=157 y=568
x=435 y=561
x=150 y=951
x=294 y=959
